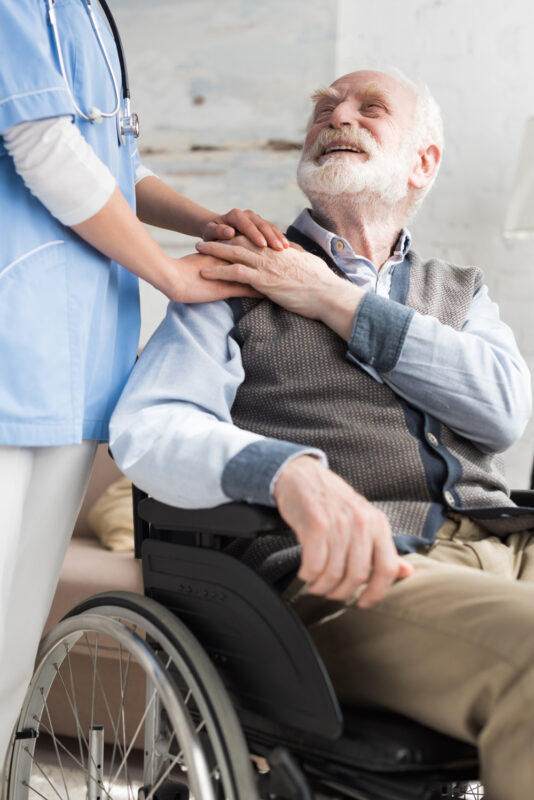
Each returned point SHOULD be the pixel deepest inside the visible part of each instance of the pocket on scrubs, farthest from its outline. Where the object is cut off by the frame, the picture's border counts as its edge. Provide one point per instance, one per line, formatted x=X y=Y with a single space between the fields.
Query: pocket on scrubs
x=35 y=375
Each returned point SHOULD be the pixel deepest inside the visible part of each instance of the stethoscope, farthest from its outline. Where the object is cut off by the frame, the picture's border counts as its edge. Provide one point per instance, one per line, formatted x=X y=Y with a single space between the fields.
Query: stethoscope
x=129 y=123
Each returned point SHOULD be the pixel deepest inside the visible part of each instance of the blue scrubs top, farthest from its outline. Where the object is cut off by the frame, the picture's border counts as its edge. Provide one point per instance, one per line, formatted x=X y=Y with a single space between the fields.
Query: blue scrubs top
x=69 y=316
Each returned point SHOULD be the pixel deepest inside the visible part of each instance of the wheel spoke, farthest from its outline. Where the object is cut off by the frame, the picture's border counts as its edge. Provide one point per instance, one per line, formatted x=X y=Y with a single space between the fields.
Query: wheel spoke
x=73 y=707
x=33 y=789
x=96 y=676
x=43 y=773
x=69 y=753
x=54 y=738
x=160 y=780
x=121 y=708
x=134 y=737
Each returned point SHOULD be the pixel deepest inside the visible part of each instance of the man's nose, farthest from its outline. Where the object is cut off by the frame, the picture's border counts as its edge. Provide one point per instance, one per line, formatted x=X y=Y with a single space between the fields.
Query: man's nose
x=343 y=114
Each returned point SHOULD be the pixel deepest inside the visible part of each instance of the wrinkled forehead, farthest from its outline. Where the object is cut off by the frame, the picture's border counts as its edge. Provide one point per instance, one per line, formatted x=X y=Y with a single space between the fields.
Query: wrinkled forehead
x=366 y=83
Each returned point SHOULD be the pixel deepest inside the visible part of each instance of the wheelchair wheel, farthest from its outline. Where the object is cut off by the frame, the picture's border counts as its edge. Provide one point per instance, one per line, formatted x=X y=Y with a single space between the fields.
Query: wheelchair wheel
x=179 y=741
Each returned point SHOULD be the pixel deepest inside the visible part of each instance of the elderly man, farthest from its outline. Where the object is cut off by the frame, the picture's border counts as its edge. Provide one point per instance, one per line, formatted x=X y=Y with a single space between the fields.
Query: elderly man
x=366 y=398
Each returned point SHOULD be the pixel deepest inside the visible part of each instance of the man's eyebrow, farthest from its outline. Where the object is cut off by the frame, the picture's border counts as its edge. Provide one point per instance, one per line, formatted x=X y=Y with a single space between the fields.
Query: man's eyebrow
x=373 y=91
x=325 y=93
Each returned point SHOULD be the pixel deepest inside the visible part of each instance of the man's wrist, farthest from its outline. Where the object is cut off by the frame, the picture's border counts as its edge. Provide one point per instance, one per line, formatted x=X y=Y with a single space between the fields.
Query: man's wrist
x=294 y=469
x=339 y=304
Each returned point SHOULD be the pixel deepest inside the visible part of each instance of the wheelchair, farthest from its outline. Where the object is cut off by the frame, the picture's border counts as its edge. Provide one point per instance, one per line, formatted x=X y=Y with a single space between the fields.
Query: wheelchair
x=236 y=705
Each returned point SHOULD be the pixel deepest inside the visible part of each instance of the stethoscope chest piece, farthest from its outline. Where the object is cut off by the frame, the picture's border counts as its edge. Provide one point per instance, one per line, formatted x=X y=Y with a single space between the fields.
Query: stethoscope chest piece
x=129 y=124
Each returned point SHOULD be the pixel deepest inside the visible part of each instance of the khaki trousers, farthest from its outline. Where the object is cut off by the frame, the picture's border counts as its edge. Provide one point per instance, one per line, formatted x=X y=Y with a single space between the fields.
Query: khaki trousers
x=452 y=647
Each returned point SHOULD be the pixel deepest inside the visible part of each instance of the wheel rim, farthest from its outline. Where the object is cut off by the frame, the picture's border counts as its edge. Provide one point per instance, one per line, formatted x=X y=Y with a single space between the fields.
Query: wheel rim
x=46 y=764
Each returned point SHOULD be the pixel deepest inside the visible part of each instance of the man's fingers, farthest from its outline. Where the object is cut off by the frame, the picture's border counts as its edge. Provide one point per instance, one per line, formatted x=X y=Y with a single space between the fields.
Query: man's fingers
x=314 y=558
x=226 y=251
x=385 y=573
x=239 y=273
x=358 y=570
x=405 y=569
x=334 y=567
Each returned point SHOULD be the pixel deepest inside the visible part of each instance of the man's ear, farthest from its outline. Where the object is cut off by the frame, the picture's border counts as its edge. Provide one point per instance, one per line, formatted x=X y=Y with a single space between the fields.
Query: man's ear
x=425 y=166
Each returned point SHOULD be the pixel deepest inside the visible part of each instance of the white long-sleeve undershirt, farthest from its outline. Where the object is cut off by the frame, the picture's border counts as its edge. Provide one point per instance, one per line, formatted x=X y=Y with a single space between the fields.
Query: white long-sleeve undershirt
x=61 y=168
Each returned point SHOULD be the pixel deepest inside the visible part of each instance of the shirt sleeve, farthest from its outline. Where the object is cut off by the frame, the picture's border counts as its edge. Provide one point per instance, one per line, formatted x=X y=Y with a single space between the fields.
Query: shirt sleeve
x=172 y=431
x=60 y=168
x=473 y=380
x=31 y=84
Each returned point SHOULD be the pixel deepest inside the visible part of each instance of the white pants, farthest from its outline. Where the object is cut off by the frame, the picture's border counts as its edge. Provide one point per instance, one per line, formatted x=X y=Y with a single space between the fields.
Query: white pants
x=41 y=490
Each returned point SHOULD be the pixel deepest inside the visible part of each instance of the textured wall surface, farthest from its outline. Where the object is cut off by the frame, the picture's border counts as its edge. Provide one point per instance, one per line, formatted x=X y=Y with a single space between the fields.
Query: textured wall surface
x=222 y=88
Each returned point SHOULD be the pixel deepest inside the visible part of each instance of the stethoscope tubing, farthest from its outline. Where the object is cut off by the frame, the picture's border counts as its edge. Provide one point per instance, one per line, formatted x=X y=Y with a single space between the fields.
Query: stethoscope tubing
x=130 y=122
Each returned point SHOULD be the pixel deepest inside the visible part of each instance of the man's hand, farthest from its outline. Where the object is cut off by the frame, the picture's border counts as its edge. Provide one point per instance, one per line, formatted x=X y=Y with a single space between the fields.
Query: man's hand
x=294 y=278
x=188 y=286
x=255 y=228
x=346 y=541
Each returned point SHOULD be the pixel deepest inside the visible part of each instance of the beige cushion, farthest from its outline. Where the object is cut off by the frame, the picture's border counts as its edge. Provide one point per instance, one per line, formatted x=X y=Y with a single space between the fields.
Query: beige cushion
x=88 y=570
x=111 y=516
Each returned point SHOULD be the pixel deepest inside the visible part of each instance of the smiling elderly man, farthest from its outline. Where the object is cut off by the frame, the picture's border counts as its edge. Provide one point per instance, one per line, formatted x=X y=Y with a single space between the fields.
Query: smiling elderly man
x=366 y=398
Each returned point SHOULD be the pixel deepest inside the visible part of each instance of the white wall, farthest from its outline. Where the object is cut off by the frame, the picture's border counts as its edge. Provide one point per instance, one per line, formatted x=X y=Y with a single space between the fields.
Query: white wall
x=235 y=74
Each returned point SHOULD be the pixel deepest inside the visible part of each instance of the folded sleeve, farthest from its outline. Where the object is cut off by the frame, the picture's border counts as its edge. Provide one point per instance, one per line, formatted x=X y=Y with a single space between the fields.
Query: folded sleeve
x=474 y=380
x=31 y=84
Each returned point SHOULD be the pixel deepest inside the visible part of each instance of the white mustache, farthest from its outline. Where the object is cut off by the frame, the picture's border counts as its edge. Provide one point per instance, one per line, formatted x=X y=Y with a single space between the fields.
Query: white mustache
x=359 y=138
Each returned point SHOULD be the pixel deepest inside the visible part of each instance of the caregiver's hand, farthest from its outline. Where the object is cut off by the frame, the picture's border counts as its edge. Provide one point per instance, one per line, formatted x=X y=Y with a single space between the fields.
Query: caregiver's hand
x=255 y=228
x=295 y=279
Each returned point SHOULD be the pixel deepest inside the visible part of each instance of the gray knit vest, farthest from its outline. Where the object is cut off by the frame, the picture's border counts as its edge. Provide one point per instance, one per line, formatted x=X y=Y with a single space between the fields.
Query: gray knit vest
x=300 y=387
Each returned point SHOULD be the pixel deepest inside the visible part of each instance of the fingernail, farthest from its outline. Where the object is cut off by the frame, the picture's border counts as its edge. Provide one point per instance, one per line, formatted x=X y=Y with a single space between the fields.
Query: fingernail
x=228 y=232
x=285 y=242
x=263 y=242
x=206 y=270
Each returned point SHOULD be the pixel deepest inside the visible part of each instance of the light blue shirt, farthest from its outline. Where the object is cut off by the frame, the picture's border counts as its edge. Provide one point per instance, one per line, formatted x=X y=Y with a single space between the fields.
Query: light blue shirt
x=172 y=431
x=69 y=317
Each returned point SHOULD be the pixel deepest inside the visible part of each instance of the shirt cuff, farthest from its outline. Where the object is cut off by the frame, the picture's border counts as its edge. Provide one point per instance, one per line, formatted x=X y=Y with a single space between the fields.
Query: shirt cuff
x=379 y=330
x=251 y=474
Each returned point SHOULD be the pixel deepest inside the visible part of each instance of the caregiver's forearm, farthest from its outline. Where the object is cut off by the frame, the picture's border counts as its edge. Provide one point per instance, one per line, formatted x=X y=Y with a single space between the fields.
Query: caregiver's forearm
x=117 y=233
x=160 y=205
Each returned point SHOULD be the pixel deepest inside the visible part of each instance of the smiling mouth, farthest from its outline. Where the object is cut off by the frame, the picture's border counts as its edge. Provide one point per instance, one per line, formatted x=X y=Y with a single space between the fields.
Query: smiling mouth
x=340 y=148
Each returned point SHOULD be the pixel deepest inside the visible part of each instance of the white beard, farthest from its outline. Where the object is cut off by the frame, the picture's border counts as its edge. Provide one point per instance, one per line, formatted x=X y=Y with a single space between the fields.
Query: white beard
x=380 y=181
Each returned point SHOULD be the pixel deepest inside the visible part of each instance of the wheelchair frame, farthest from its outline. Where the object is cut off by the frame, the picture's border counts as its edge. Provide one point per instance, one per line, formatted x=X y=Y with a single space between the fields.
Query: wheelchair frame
x=231 y=671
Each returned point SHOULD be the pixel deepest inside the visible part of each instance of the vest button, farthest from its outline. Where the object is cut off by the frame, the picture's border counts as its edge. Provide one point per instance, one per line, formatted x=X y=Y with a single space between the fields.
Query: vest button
x=449 y=497
x=432 y=439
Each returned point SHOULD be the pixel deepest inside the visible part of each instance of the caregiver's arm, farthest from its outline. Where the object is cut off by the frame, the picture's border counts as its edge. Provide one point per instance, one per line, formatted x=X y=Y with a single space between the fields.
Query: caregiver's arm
x=160 y=205
x=62 y=170
x=172 y=431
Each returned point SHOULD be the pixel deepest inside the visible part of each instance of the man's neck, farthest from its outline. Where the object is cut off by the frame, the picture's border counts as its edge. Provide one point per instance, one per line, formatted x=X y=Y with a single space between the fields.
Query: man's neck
x=371 y=230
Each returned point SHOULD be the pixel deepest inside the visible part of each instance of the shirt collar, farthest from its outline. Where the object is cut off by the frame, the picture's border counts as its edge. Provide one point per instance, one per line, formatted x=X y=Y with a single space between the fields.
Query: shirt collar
x=327 y=240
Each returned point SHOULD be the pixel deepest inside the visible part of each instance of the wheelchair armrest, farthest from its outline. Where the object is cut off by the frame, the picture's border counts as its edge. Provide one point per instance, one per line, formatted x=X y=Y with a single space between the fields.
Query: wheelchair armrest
x=230 y=519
